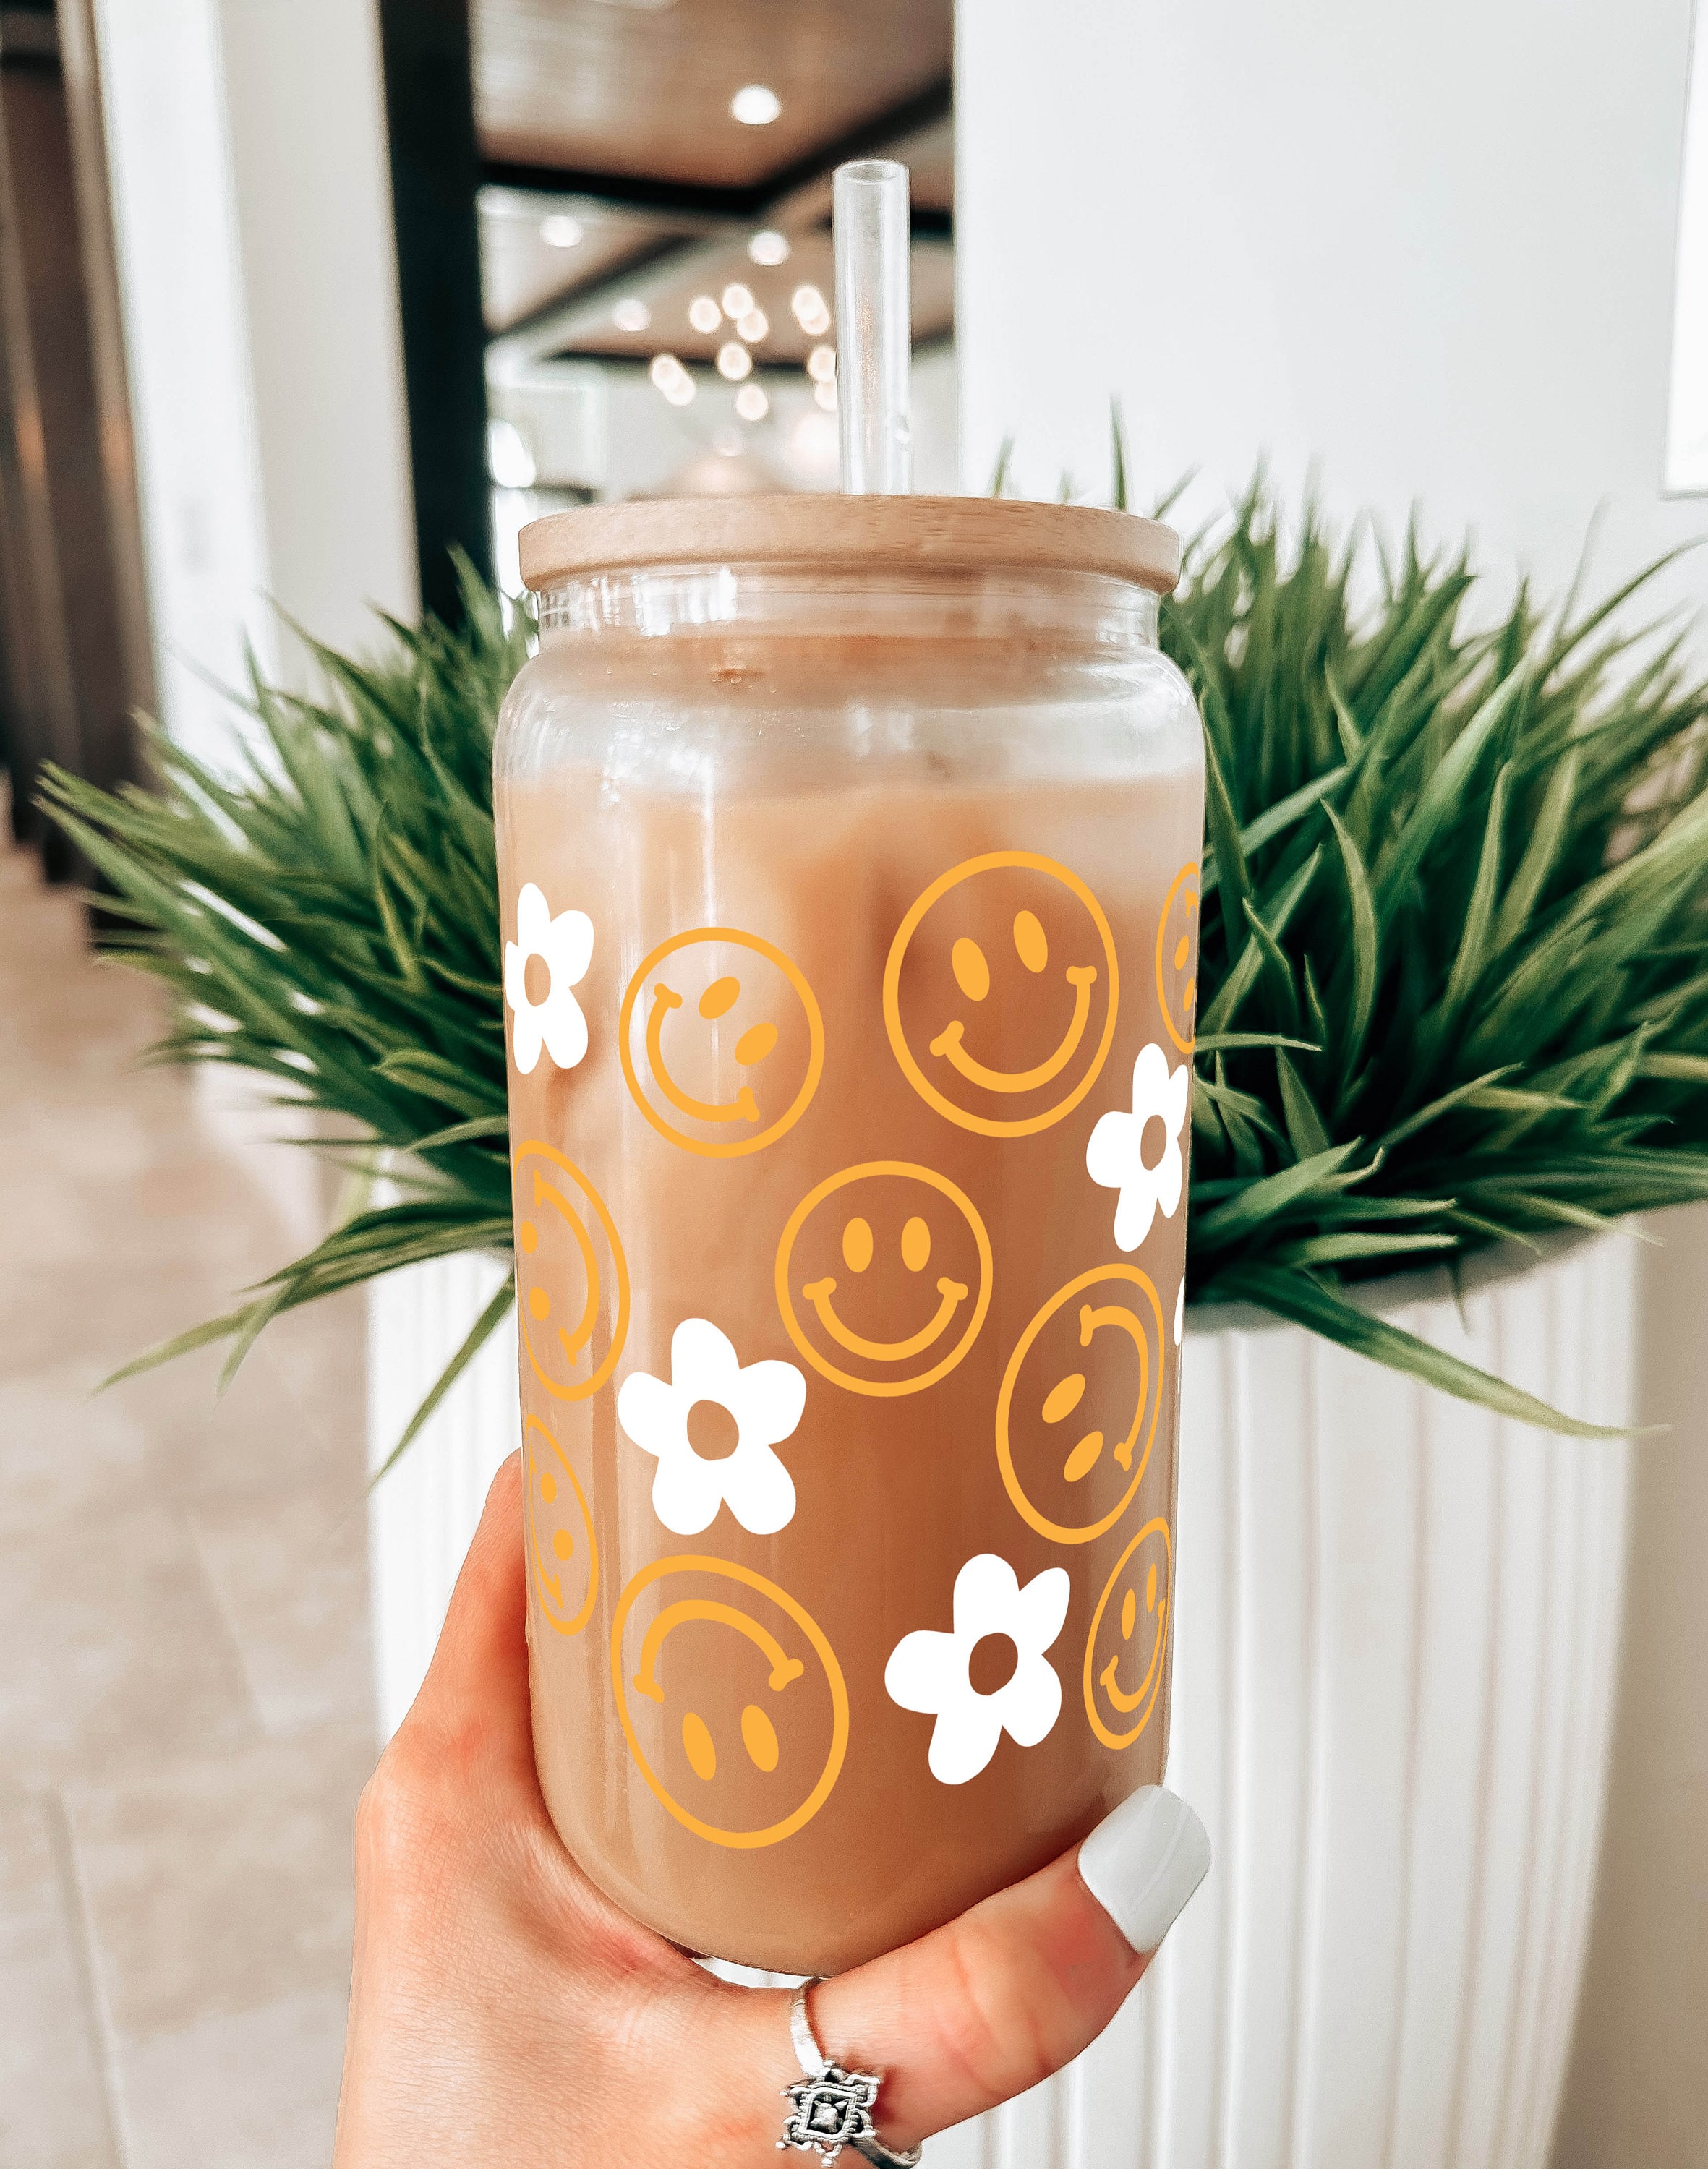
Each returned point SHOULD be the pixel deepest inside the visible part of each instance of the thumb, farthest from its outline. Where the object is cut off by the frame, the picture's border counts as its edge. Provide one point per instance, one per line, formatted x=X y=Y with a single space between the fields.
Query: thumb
x=473 y=1703
x=981 y=2010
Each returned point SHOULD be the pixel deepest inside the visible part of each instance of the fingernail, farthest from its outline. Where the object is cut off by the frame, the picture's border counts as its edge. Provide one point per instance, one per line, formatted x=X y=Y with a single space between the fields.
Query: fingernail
x=1143 y=1862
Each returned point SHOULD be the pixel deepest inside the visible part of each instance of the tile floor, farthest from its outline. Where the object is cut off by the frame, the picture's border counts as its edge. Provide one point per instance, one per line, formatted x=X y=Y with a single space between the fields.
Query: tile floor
x=186 y=1706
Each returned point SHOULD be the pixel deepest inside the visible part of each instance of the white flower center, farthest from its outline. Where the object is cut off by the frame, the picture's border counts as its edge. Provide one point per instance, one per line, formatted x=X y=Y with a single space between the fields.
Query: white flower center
x=537 y=979
x=1155 y=1133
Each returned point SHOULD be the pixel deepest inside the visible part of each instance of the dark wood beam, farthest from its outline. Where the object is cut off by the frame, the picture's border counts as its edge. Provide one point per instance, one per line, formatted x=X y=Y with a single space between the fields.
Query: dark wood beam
x=612 y=278
x=740 y=207
x=795 y=197
x=435 y=171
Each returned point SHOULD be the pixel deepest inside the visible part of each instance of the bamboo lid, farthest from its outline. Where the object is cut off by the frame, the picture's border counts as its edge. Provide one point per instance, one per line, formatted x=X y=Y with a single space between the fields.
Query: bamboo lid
x=971 y=533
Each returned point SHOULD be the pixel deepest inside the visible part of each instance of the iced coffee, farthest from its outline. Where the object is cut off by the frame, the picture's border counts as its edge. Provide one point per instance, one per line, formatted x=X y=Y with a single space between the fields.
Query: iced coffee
x=848 y=877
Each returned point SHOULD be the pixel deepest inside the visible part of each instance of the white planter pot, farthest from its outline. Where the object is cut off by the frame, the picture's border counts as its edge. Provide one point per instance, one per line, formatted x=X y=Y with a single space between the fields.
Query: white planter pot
x=423 y=1512
x=1398 y=1625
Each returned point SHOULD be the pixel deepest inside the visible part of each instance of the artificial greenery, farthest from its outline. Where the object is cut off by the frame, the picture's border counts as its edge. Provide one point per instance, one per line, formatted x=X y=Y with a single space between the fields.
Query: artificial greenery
x=328 y=919
x=1458 y=877
x=1453 y=974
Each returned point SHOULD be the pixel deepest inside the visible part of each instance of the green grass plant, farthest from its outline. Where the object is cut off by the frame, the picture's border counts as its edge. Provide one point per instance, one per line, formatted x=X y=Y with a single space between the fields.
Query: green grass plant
x=1453 y=966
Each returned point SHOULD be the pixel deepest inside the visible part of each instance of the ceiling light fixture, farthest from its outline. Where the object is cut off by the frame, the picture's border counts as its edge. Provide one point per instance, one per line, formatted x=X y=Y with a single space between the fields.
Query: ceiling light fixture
x=560 y=231
x=738 y=300
x=509 y=461
x=670 y=378
x=813 y=440
x=630 y=315
x=769 y=247
x=704 y=314
x=755 y=105
x=753 y=326
x=810 y=311
x=751 y=403
x=821 y=364
x=734 y=361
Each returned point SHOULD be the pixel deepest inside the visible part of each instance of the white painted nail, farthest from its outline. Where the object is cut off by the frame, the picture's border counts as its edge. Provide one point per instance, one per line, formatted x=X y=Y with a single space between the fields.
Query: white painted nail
x=1143 y=1862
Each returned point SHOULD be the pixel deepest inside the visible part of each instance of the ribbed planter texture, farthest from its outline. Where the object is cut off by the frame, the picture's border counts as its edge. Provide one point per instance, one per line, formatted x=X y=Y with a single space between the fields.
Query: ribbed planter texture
x=1397 y=1622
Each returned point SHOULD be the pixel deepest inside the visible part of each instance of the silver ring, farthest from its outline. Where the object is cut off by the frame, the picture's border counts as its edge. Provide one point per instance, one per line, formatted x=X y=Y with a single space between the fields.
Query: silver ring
x=831 y=2108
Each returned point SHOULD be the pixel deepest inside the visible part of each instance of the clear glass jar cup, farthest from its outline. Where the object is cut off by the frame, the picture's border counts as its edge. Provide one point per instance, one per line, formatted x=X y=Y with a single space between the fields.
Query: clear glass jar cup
x=848 y=861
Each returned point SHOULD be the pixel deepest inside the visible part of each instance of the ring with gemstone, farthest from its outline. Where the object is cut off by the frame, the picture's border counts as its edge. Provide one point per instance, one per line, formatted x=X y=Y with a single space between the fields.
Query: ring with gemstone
x=831 y=2108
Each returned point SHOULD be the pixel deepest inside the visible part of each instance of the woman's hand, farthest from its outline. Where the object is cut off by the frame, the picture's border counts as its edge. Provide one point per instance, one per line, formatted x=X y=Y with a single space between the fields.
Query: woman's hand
x=503 y=2010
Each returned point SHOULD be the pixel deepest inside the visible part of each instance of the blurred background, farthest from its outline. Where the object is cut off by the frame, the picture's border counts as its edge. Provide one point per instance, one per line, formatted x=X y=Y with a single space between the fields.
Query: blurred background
x=299 y=296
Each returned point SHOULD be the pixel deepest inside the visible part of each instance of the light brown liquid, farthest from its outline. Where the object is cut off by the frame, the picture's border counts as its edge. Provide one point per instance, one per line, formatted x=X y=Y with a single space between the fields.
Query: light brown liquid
x=783 y=1813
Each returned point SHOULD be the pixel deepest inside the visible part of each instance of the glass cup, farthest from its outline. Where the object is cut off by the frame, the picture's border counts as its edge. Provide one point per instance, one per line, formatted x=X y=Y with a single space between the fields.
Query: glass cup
x=848 y=862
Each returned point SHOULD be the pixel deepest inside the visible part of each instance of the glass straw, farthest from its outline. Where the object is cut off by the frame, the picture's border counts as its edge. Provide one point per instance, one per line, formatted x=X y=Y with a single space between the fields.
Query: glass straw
x=874 y=327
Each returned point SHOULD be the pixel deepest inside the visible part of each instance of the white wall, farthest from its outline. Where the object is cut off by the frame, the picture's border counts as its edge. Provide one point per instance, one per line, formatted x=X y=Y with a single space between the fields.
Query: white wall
x=252 y=212
x=1431 y=247
x=187 y=344
x=310 y=164
x=1431 y=251
x=1687 y=434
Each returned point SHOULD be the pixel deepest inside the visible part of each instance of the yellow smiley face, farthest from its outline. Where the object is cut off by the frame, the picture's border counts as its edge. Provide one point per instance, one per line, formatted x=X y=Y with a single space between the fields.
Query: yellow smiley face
x=571 y=1278
x=1177 y=958
x=1079 y=1403
x=562 y=1549
x=883 y=1276
x=721 y=1041
x=1025 y=935
x=731 y=1701
x=1127 y=1649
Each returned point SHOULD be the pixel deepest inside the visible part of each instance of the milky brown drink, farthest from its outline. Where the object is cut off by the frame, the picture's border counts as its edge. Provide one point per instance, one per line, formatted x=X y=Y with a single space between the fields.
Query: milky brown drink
x=851 y=946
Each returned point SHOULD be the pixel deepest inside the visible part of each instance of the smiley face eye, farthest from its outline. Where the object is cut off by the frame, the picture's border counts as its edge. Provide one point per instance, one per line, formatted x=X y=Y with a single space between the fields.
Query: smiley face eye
x=719 y=998
x=697 y=1746
x=759 y=1737
x=1130 y=1610
x=1149 y=1591
x=755 y=1044
x=857 y=1244
x=1029 y=941
x=1064 y=1397
x=916 y=1245
x=1180 y=950
x=972 y=973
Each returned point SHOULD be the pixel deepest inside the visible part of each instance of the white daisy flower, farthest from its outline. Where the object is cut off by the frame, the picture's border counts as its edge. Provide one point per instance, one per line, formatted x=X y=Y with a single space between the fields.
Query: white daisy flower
x=932 y=1672
x=764 y=1399
x=565 y=944
x=1115 y=1155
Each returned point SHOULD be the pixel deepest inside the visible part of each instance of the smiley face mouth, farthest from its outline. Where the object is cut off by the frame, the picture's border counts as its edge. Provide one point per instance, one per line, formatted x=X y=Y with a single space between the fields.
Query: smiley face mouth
x=1086 y=1454
x=948 y=1044
x=1127 y=1704
x=743 y=1108
x=783 y=1667
x=572 y=1343
x=819 y=1293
